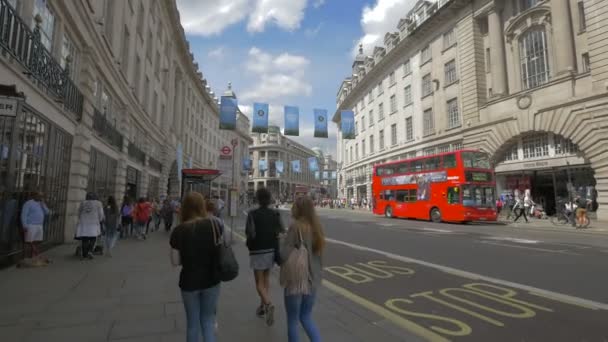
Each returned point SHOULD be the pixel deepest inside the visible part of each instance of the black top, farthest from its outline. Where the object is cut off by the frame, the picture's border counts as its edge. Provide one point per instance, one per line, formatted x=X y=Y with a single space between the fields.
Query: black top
x=198 y=254
x=263 y=227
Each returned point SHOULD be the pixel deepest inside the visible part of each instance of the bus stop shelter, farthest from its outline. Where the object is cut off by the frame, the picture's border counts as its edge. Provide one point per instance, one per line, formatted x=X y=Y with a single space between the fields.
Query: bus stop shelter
x=198 y=180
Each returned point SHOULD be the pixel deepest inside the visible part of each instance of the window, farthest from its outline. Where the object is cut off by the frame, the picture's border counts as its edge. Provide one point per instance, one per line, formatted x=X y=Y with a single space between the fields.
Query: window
x=407 y=95
x=391 y=78
x=146 y=95
x=453 y=195
x=371 y=95
x=409 y=129
x=357 y=151
x=356 y=127
x=443 y=148
x=363 y=123
x=432 y=163
x=381 y=111
x=427 y=87
x=380 y=88
x=488 y=60
x=416 y=165
x=582 y=21
x=394 y=134
x=407 y=68
x=126 y=43
x=477 y=160
x=533 y=57
x=371 y=118
x=108 y=20
x=525 y=4
x=140 y=21
x=564 y=146
x=453 y=114
x=478 y=196
x=450 y=72
x=68 y=49
x=405 y=195
x=371 y=143
x=393 y=104
x=586 y=62
x=449 y=161
x=137 y=75
x=425 y=55
x=363 y=148
x=449 y=39
x=150 y=45
x=351 y=154
x=428 y=122
x=428 y=151
x=47 y=27
x=381 y=140
x=157 y=65
x=536 y=146
x=511 y=153
x=483 y=25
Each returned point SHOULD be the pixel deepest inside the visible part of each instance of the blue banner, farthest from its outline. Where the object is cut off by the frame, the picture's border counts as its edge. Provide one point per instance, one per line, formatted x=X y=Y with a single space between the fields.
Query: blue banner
x=313 y=165
x=180 y=160
x=190 y=162
x=320 y=123
x=325 y=175
x=292 y=121
x=262 y=165
x=334 y=175
x=347 y=124
x=317 y=175
x=260 y=118
x=228 y=106
x=296 y=166
x=279 y=166
x=246 y=164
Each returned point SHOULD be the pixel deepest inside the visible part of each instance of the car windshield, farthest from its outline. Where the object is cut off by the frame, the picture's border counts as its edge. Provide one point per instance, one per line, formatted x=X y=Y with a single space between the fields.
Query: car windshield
x=478 y=160
x=478 y=196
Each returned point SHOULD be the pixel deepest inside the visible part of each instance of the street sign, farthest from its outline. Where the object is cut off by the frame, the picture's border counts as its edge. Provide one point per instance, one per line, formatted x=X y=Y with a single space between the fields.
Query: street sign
x=8 y=106
x=234 y=142
x=226 y=150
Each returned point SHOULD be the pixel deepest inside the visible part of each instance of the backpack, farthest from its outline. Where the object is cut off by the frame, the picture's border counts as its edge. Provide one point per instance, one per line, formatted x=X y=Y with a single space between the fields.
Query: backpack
x=295 y=271
x=126 y=210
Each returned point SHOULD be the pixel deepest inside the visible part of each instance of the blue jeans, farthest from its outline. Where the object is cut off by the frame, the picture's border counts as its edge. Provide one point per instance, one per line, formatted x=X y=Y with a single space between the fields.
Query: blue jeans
x=299 y=308
x=200 y=308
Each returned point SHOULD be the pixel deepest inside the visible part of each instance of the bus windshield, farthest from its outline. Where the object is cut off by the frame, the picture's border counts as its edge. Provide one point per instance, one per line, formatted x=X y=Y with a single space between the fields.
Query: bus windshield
x=477 y=160
x=478 y=196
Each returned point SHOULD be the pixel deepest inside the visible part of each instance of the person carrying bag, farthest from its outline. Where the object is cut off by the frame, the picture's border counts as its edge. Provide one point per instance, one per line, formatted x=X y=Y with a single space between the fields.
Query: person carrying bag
x=228 y=267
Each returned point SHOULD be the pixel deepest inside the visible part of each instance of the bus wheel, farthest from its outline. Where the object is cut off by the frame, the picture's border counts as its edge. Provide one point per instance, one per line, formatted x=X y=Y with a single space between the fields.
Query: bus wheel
x=388 y=212
x=435 y=215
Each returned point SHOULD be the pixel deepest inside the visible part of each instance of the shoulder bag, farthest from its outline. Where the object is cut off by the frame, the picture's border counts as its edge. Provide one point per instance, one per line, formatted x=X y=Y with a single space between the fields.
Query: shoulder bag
x=295 y=271
x=228 y=267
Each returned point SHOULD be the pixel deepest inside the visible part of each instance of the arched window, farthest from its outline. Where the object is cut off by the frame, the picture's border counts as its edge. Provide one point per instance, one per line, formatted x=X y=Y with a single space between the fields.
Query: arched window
x=534 y=58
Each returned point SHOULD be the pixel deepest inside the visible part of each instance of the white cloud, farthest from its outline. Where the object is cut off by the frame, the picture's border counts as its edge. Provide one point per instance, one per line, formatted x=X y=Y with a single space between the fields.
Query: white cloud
x=217 y=53
x=379 y=19
x=211 y=17
x=276 y=76
x=318 y=3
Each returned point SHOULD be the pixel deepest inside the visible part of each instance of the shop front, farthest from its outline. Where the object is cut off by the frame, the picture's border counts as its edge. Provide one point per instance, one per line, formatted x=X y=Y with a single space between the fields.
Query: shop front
x=35 y=156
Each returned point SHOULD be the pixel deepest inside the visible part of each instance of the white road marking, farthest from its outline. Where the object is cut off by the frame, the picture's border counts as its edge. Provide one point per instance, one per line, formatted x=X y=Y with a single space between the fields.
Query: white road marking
x=437 y=230
x=470 y=275
x=559 y=251
x=516 y=240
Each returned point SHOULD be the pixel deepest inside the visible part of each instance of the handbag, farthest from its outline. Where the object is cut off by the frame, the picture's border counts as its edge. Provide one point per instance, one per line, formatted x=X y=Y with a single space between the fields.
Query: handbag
x=228 y=267
x=295 y=272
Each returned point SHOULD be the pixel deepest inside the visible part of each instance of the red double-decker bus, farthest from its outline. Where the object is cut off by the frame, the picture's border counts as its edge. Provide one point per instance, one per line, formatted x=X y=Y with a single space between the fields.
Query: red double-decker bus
x=454 y=187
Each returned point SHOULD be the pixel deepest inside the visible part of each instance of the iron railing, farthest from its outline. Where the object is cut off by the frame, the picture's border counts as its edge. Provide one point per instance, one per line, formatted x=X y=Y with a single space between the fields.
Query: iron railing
x=137 y=153
x=155 y=164
x=25 y=46
x=106 y=130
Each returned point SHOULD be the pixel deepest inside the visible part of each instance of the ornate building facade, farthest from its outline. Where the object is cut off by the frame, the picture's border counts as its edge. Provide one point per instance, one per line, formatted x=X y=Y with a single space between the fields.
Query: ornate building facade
x=520 y=79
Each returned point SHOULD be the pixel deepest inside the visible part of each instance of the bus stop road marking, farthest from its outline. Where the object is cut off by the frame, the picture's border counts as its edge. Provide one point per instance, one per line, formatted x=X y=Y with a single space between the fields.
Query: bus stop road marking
x=559 y=251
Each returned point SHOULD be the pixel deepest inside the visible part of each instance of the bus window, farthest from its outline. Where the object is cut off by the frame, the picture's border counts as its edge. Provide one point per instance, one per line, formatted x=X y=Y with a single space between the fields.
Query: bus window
x=453 y=195
x=478 y=196
x=449 y=161
x=416 y=165
x=431 y=163
x=411 y=195
x=389 y=195
x=385 y=170
x=403 y=167
x=401 y=195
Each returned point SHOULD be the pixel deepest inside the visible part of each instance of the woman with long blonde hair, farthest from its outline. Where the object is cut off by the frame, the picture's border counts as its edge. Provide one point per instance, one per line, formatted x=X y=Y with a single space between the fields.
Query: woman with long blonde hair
x=301 y=252
x=194 y=247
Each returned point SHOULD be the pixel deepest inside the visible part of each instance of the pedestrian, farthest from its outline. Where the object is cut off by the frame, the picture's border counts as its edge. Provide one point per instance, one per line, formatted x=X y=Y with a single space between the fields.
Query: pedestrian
x=150 y=207
x=581 y=210
x=194 y=247
x=126 y=211
x=262 y=229
x=90 y=217
x=166 y=213
x=156 y=213
x=519 y=205
x=302 y=277
x=141 y=215
x=111 y=224
x=33 y=215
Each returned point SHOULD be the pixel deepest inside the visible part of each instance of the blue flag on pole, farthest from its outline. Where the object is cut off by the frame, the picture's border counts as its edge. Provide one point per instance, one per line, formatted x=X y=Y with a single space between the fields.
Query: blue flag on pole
x=313 y=165
x=320 y=123
x=260 y=118
x=279 y=166
x=190 y=162
x=246 y=164
x=296 y=166
x=347 y=124
x=292 y=121
x=228 y=107
x=262 y=165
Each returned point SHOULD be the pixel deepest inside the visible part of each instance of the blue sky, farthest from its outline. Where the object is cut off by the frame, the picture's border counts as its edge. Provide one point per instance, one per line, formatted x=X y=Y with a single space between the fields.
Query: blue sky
x=285 y=52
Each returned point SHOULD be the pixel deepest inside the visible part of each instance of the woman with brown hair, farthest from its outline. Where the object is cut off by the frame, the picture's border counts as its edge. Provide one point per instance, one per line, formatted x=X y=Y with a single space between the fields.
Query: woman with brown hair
x=194 y=247
x=301 y=252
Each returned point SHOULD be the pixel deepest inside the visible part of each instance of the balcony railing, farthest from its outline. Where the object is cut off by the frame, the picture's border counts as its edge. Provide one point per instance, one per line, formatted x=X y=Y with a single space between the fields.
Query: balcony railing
x=25 y=46
x=136 y=153
x=106 y=130
x=155 y=164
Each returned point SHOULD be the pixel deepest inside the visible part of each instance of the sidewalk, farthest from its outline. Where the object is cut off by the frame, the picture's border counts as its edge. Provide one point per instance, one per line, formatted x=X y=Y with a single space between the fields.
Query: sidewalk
x=134 y=297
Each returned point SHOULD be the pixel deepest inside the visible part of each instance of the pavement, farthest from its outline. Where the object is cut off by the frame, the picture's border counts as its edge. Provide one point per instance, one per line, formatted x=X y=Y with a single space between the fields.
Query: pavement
x=133 y=296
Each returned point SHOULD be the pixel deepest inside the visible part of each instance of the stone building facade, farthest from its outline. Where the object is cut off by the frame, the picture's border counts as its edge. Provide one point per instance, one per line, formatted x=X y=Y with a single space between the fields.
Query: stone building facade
x=520 y=79
x=106 y=91
x=275 y=146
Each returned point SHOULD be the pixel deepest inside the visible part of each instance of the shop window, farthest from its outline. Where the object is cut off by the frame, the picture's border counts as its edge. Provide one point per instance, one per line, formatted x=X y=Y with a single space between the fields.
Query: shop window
x=534 y=58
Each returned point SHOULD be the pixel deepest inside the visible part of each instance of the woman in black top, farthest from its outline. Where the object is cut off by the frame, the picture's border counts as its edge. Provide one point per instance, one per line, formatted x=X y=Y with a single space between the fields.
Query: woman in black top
x=194 y=247
x=263 y=229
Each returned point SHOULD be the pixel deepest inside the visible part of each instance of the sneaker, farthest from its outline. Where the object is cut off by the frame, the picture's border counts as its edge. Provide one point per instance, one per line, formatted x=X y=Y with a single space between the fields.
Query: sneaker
x=269 y=314
x=260 y=312
x=90 y=256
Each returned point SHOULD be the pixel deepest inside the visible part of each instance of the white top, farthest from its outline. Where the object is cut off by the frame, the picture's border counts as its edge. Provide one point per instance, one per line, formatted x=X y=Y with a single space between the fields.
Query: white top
x=90 y=216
